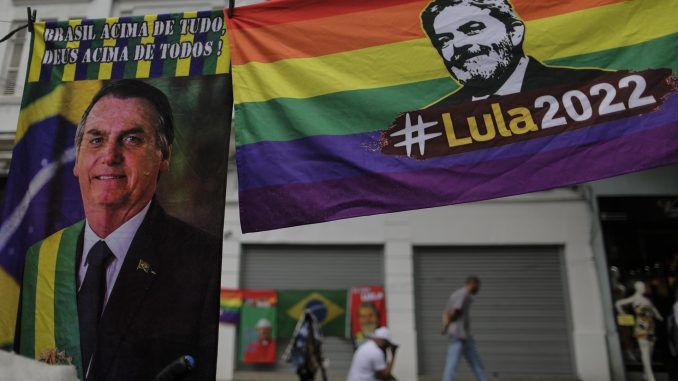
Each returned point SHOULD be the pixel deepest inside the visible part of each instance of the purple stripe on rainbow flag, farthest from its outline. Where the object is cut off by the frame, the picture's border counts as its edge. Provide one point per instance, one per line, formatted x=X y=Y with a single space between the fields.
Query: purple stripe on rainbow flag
x=296 y=204
x=323 y=158
x=232 y=317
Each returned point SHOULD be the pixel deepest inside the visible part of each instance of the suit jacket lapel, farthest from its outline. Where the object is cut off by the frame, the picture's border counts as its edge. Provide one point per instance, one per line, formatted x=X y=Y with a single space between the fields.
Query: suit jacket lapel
x=130 y=289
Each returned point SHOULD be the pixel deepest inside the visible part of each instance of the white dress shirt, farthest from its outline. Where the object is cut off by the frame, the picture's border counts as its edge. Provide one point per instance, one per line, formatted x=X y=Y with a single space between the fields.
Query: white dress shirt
x=514 y=82
x=118 y=241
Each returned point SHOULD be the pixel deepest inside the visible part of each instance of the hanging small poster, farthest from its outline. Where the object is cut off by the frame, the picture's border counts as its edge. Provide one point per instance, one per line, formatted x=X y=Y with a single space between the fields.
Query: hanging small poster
x=258 y=326
x=230 y=302
x=368 y=311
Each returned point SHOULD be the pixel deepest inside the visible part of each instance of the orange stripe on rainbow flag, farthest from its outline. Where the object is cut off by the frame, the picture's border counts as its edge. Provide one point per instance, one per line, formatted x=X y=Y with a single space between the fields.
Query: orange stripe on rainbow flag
x=393 y=22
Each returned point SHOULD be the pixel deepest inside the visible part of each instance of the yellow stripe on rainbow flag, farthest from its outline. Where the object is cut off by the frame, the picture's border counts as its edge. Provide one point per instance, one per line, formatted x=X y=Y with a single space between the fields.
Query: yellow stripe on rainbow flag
x=588 y=30
x=338 y=72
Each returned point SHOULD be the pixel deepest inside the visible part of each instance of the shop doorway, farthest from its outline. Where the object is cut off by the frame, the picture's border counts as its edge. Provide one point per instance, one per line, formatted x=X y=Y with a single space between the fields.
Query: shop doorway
x=641 y=245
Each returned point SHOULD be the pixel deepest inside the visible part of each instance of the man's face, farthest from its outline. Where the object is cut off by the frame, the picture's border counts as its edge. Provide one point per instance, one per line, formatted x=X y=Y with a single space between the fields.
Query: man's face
x=474 y=287
x=264 y=333
x=382 y=343
x=118 y=162
x=475 y=46
x=368 y=319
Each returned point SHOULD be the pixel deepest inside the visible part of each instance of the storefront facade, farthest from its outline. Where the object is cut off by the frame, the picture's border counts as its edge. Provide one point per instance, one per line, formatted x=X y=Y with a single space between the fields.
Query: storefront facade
x=541 y=293
x=638 y=237
x=546 y=308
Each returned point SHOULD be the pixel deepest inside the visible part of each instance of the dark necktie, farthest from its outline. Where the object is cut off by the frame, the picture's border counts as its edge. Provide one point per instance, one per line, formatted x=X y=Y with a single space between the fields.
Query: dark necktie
x=91 y=299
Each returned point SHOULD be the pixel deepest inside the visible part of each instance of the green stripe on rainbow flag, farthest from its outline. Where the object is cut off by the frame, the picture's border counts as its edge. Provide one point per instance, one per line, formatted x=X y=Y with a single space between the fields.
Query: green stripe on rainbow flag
x=411 y=60
x=335 y=109
x=326 y=115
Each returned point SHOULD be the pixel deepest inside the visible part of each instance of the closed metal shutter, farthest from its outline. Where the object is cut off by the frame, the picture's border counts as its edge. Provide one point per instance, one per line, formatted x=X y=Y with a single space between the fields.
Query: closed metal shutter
x=311 y=267
x=519 y=319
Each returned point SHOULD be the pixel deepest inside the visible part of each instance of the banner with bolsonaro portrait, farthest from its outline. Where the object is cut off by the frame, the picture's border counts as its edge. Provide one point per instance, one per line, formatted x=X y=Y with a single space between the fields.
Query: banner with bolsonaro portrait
x=397 y=105
x=110 y=244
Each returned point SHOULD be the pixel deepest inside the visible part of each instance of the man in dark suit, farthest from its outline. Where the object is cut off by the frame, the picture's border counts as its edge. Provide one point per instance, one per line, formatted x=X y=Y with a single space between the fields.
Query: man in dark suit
x=147 y=284
x=481 y=43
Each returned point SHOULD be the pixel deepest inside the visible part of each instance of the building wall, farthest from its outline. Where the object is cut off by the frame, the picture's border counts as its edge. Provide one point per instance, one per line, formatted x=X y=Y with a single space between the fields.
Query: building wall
x=560 y=217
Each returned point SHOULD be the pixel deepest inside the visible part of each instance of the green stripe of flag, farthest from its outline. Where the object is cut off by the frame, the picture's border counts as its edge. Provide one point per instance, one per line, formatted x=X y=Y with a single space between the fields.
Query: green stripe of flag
x=343 y=113
x=93 y=68
x=27 y=343
x=66 y=327
x=209 y=65
x=650 y=54
x=360 y=111
x=130 y=70
x=170 y=65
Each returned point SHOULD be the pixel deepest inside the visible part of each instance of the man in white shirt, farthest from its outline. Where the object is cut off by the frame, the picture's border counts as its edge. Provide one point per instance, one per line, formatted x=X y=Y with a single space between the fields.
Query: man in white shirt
x=481 y=44
x=370 y=359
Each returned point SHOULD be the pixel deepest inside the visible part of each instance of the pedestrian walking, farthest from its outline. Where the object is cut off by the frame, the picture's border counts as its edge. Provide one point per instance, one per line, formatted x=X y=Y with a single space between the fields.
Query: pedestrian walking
x=457 y=327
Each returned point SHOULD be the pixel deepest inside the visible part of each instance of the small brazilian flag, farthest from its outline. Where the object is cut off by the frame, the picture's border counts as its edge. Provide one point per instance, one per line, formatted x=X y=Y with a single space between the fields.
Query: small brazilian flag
x=328 y=306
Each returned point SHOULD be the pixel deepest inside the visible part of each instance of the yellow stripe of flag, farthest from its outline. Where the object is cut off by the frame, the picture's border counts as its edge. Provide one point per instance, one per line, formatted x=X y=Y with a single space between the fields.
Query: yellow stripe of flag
x=632 y=22
x=224 y=60
x=143 y=66
x=230 y=302
x=38 y=52
x=9 y=303
x=595 y=29
x=68 y=100
x=184 y=64
x=44 y=298
x=69 y=69
x=399 y=63
x=105 y=69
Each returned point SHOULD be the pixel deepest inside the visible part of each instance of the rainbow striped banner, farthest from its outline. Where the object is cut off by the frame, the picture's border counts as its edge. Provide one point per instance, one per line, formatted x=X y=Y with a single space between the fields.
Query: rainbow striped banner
x=230 y=302
x=328 y=94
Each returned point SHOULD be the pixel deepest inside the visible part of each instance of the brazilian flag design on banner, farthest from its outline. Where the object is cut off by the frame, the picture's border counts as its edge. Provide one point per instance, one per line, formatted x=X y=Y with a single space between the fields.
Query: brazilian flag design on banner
x=71 y=60
x=328 y=306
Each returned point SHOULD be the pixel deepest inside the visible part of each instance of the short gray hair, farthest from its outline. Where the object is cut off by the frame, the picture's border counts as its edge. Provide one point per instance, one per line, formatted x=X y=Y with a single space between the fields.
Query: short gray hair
x=132 y=88
x=502 y=10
